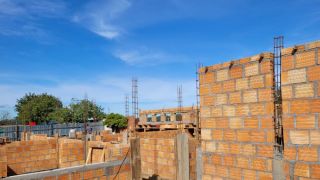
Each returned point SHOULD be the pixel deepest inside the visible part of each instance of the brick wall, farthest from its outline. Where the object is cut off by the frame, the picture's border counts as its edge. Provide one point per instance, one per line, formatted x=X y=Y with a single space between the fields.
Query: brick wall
x=3 y=162
x=193 y=143
x=157 y=152
x=31 y=156
x=107 y=136
x=236 y=105
x=112 y=151
x=301 y=108
x=71 y=152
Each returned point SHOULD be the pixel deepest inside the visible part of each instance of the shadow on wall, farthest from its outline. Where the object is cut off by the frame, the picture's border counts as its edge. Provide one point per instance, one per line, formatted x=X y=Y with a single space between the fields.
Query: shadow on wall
x=11 y=172
x=153 y=177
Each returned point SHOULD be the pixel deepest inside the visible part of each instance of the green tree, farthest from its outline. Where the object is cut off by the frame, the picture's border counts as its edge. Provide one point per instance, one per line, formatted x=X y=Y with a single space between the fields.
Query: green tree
x=80 y=109
x=61 y=115
x=116 y=121
x=33 y=107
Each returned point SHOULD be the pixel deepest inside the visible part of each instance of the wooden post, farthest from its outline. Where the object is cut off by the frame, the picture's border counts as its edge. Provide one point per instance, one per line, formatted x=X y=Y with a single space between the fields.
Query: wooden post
x=135 y=159
x=182 y=156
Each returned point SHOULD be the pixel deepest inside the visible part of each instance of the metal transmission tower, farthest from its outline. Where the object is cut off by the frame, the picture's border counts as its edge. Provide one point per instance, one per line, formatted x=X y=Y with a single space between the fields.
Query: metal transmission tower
x=179 y=96
x=127 y=105
x=278 y=129
x=135 y=107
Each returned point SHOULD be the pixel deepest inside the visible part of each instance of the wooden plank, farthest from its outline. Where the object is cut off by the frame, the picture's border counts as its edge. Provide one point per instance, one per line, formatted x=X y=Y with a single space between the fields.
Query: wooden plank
x=183 y=156
x=102 y=159
x=89 y=157
x=135 y=161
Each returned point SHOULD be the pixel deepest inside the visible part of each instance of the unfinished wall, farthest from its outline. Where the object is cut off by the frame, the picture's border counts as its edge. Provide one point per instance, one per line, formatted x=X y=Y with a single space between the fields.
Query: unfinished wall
x=236 y=105
x=31 y=156
x=107 y=136
x=3 y=162
x=106 y=151
x=112 y=173
x=193 y=143
x=116 y=170
x=71 y=152
x=157 y=151
x=301 y=108
x=159 y=154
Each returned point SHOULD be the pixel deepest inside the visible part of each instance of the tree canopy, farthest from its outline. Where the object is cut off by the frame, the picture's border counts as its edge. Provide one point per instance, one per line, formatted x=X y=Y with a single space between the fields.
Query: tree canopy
x=37 y=108
x=86 y=108
x=116 y=121
x=43 y=108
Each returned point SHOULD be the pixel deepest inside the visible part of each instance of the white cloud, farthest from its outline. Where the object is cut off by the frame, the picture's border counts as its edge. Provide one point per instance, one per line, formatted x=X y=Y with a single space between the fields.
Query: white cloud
x=108 y=92
x=20 y=18
x=99 y=17
x=148 y=57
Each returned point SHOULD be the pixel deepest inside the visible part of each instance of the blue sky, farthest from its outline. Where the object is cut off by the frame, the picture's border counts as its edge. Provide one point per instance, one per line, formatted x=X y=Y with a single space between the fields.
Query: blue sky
x=70 y=48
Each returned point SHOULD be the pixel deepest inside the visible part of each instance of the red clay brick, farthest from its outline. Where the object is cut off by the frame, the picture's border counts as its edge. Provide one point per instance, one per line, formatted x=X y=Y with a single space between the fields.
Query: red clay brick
x=300 y=107
x=235 y=97
x=236 y=72
x=266 y=67
x=309 y=154
x=305 y=59
x=228 y=86
x=259 y=164
x=287 y=63
x=216 y=88
x=305 y=122
x=302 y=170
x=229 y=135
x=251 y=122
x=290 y=153
x=315 y=106
x=315 y=169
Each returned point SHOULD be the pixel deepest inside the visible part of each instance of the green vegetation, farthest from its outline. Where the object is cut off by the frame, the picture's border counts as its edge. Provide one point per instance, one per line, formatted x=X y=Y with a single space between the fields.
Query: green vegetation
x=43 y=108
x=37 y=108
x=116 y=121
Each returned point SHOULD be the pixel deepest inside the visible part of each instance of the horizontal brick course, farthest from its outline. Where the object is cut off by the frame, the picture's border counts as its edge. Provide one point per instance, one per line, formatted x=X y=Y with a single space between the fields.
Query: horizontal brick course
x=238 y=142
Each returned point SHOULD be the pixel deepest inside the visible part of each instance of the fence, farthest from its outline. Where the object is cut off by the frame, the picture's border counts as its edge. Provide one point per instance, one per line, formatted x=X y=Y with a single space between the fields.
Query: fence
x=13 y=132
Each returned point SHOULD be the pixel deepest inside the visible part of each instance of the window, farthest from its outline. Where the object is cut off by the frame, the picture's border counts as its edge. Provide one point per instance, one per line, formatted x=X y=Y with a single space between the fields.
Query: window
x=149 y=118
x=168 y=117
x=158 y=117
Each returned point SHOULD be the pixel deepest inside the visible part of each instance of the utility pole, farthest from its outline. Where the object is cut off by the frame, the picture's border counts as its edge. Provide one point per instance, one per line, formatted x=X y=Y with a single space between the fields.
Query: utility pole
x=85 y=118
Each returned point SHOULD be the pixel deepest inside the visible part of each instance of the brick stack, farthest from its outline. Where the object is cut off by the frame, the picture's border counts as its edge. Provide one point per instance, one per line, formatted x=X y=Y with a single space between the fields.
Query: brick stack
x=301 y=108
x=236 y=104
x=31 y=156
x=71 y=152
x=3 y=162
x=158 y=154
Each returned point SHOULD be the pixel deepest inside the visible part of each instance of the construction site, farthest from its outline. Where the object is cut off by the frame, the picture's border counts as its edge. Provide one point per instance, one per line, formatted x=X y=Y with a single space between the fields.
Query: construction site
x=256 y=118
